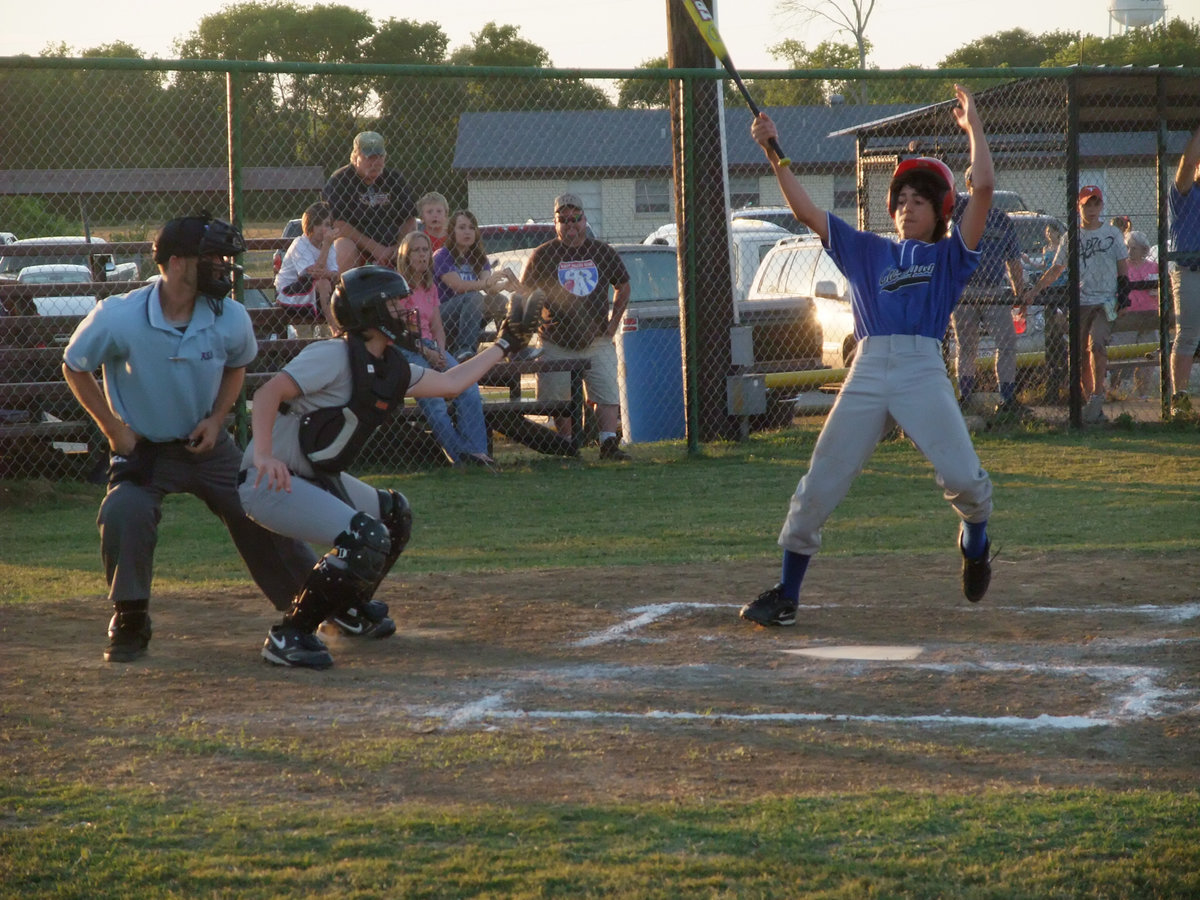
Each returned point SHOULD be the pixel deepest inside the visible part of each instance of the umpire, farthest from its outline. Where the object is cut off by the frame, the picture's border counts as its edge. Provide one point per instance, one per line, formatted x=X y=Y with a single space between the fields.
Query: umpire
x=173 y=355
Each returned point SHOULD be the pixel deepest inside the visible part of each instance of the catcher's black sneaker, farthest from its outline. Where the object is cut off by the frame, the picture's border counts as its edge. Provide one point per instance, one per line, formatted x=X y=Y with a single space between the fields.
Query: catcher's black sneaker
x=610 y=449
x=128 y=637
x=977 y=574
x=287 y=645
x=369 y=619
x=770 y=609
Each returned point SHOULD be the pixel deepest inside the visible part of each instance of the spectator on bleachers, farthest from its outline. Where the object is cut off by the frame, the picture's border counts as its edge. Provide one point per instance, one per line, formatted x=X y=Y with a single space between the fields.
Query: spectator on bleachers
x=464 y=276
x=372 y=206
x=309 y=269
x=1141 y=316
x=463 y=438
x=434 y=210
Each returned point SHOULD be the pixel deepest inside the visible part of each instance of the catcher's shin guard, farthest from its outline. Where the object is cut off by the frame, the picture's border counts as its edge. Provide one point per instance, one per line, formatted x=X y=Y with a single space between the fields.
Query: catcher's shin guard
x=397 y=518
x=358 y=559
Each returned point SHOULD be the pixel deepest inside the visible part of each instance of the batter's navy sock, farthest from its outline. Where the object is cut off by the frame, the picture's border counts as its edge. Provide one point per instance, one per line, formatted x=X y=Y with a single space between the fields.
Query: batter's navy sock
x=966 y=386
x=1008 y=392
x=794 y=567
x=974 y=539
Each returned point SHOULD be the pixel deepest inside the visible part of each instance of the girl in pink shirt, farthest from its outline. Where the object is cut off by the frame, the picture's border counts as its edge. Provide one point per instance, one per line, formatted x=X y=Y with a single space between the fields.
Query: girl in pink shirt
x=464 y=437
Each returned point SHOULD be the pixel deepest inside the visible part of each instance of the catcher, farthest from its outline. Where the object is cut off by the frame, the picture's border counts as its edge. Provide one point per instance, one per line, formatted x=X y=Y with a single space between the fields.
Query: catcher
x=309 y=423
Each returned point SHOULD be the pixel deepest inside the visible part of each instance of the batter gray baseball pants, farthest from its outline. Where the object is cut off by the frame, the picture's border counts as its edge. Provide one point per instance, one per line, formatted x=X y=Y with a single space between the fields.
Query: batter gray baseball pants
x=902 y=378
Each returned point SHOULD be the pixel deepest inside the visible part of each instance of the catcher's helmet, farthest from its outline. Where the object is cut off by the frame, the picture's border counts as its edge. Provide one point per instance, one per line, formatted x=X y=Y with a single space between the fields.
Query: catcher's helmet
x=360 y=301
x=205 y=237
x=932 y=172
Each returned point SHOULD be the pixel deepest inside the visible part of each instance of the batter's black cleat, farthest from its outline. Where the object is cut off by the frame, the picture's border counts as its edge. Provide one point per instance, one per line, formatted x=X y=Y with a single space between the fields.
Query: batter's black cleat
x=770 y=609
x=368 y=620
x=128 y=637
x=977 y=574
x=287 y=645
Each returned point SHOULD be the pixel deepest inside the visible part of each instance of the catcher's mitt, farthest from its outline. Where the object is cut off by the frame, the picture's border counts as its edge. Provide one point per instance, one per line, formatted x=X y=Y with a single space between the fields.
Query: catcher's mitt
x=521 y=322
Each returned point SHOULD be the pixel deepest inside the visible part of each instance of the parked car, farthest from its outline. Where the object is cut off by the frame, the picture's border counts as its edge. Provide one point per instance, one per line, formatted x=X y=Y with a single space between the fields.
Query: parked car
x=527 y=235
x=7 y=237
x=11 y=266
x=776 y=215
x=1031 y=235
x=751 y=241
x=800 y=269
x=59 y=273
x=785 y=330
x=1006 y=201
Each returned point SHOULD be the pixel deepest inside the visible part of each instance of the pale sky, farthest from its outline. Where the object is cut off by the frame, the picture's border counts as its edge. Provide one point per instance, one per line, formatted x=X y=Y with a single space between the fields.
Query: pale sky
x=609 y=34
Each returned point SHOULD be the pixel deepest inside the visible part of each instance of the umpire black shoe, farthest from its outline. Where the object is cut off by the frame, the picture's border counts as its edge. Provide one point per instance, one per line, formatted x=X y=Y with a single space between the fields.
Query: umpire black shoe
x=369 y=619
x=770 y=609
x=977 y=574
x=610 y=449
x=128 y=637
x=287 y=645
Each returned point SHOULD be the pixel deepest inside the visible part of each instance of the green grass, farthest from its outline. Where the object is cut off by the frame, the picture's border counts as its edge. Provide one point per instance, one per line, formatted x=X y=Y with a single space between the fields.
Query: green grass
x=1097 y=490
x=72 y=841
x=61 y=837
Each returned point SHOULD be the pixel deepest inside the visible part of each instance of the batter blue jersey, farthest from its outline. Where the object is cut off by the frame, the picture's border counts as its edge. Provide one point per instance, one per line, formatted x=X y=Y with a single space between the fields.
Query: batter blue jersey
x=159 y=381
x=900 y=287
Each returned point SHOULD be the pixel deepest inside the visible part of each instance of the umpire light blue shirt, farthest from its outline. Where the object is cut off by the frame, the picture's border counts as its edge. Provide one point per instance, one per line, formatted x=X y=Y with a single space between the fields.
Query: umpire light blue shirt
x=159 y=381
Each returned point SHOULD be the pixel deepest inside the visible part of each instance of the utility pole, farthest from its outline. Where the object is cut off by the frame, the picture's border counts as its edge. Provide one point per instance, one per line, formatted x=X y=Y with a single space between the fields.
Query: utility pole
x=702 y=223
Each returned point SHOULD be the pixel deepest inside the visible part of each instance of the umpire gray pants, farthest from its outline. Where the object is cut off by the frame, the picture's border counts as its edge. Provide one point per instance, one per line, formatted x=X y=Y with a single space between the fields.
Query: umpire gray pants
x=132 y=509
x=894 y=377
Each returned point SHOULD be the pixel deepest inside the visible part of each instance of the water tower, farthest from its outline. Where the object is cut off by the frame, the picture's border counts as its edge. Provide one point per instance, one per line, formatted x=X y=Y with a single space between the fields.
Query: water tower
x=1135 y=13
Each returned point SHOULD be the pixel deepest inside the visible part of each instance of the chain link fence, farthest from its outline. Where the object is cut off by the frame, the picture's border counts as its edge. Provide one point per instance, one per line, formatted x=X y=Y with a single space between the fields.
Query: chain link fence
x=99 y=153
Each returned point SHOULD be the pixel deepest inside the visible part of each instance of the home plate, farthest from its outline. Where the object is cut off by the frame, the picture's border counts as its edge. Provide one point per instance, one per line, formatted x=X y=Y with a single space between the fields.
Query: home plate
x=858 y=651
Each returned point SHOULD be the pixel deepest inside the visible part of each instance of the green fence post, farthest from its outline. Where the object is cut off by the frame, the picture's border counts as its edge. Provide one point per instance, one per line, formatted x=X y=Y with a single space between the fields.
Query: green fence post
x=233 y=106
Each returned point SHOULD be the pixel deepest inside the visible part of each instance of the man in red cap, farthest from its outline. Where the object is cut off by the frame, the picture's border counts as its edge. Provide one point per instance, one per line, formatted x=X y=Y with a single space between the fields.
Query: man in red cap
x=1103 y=285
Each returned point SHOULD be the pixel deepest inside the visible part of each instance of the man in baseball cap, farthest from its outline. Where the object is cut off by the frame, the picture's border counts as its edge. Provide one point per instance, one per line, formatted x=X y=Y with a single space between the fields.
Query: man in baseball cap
x=373 y=207
x=576 y=272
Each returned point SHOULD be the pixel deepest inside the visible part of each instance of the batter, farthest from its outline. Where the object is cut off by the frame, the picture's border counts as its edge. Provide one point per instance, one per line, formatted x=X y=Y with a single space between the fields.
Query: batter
x=902 y=295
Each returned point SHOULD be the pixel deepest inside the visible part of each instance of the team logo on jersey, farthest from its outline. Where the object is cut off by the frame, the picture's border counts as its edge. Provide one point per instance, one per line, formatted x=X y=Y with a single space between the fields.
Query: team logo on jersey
x=898 y=279
x=579 y=276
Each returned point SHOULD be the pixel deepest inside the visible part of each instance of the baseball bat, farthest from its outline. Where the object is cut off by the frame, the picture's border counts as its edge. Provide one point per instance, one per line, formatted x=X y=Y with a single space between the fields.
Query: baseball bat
x=698 y=10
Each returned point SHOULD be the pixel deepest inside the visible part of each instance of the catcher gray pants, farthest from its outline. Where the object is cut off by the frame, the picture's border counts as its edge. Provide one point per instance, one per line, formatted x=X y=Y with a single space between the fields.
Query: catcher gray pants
x=894 y=377
x=132 y=509
x=308 y=512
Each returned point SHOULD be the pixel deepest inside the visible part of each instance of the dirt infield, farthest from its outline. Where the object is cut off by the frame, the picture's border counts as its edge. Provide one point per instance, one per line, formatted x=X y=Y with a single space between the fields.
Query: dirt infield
x=641 y=683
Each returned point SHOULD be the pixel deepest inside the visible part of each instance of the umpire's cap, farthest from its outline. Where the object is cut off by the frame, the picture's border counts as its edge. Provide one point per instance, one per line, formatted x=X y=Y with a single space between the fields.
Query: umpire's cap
x=197 y=236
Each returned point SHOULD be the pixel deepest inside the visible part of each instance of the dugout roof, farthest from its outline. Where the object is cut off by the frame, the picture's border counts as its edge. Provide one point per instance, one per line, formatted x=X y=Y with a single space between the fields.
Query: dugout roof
x=1120 y=100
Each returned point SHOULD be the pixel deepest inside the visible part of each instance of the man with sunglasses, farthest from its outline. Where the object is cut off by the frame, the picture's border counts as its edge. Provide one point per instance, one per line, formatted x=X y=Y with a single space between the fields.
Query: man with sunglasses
x=576 y=272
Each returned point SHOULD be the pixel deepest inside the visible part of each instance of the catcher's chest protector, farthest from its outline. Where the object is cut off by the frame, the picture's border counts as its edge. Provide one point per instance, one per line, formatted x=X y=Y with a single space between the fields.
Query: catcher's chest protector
x=332 y=437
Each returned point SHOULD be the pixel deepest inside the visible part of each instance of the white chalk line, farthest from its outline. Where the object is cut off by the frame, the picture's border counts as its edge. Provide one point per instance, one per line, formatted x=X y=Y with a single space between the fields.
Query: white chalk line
x=1144 y=699
x=648 y=615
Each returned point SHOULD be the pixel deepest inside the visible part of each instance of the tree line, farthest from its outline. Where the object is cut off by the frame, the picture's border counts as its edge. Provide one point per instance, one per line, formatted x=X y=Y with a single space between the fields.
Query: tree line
x=87 y=119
